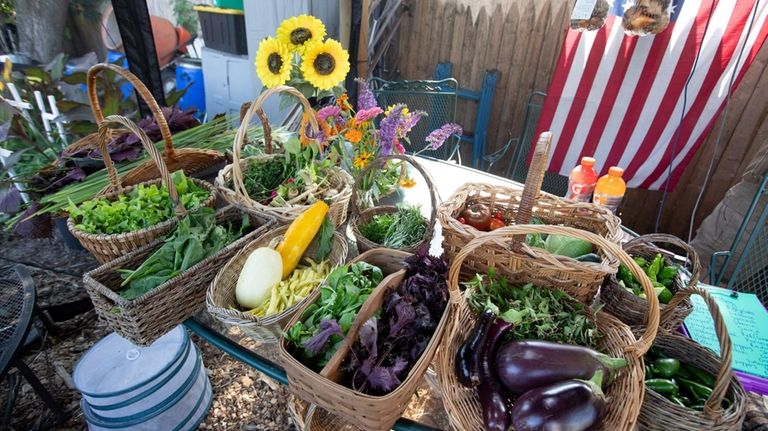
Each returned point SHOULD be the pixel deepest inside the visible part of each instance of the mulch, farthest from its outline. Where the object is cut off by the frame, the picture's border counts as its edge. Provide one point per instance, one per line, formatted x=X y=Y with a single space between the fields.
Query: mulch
x=244 y=399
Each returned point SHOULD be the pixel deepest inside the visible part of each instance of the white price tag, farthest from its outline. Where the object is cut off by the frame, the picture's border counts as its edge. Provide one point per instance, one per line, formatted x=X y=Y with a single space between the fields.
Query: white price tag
x=583 y=9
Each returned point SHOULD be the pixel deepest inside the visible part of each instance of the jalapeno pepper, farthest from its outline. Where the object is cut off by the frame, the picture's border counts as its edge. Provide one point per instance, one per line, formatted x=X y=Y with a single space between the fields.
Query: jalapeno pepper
x=667 y=273
x=697 y=390
x=648 y=372
x=675 y=399
x=700 y=375
x=641 y=262
x=665 y=367
x=655 y=267
x=662 y=386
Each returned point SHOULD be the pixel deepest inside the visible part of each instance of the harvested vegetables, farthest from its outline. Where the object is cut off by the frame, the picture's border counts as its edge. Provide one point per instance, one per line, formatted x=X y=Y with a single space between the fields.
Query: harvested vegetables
x=390 y=343
x=324 y=324
x=662 y=277
x=261 y=271
x=293 y=289
x=142 y=207
x=194 y=239
x=299 y=234
x=680 y=383
x=403 y=228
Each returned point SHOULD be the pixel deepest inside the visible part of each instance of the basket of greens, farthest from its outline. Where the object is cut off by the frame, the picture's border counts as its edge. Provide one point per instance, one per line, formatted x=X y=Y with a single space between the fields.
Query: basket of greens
x=622 y=295
x=111 y=225
x=284 y=185
x=401 y=227
x=144 y=294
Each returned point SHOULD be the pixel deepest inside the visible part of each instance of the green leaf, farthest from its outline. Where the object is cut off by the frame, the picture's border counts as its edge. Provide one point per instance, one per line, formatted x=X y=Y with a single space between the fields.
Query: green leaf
x=173 y=96
x=111 y=104
x=292 y=145
x=325 y=239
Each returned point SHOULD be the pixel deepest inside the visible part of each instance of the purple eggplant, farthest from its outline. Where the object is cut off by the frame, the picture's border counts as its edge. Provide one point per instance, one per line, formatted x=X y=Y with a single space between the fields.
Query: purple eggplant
x=570 y=405
x=525 y=365
x=493 y=400
x=468 y=359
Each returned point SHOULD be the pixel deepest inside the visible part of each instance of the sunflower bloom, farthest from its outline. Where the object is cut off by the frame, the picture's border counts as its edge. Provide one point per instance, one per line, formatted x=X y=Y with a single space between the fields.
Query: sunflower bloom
x=353 y=135
x=325 y=64
x=363 y=160
x=273 y=63
x=299 y=31
x=407 y=183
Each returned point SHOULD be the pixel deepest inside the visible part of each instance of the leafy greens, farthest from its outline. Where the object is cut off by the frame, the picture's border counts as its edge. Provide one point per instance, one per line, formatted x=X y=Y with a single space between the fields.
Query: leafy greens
x=317 y=337
x=400 y=229
x=389 y=345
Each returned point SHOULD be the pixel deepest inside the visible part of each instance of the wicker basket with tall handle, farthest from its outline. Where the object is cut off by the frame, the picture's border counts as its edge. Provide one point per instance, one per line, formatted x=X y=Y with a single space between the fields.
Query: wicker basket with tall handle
x=106 y=247
x=191 y=160
x=520 y=206
x=658 y=412
x=222 y=303
x=360 y=217
x=625 y=394
x=324 y=389
x=630 y=308
x=230 y=181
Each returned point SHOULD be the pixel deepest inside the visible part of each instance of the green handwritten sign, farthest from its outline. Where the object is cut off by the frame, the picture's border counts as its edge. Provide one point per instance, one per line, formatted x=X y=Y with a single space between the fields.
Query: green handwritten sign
x=747 y=323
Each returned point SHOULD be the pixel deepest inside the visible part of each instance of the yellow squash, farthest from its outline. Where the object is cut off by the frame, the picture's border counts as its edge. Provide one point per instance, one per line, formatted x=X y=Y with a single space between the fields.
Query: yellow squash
x=300 y=234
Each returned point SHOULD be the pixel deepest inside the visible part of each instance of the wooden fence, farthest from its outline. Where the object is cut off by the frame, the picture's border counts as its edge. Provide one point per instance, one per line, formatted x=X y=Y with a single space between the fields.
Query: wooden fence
x=521 y=39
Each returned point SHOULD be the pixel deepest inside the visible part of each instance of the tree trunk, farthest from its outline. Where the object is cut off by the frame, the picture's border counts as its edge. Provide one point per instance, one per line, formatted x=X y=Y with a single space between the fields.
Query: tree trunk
x=41 y=27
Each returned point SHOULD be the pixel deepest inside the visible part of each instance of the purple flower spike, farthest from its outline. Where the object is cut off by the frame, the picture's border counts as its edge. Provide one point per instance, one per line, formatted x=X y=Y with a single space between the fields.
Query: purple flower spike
x=367 y=114
x=411 y=121
x=318 y=341
x=329 y=111
x=365 y=99
x=388 y=129
x=438 y=137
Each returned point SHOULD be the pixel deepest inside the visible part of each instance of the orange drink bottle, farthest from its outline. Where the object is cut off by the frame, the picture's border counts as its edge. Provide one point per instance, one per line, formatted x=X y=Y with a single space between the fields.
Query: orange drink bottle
x=610 y=189
x=581 y=182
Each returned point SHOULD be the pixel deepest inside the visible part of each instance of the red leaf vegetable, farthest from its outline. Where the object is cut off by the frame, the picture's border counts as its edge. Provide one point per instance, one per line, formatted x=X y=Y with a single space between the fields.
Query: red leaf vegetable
x=391 y=342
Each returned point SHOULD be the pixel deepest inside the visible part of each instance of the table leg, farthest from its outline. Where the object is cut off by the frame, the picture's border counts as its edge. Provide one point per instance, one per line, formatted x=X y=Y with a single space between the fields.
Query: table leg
x=41 y=390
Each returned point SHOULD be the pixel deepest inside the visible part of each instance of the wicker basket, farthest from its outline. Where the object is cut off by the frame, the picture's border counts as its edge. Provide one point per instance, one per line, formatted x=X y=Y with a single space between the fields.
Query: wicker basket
x=520 y=205
x=221 y=302
x=632 y=309
x=625 y=394
x=151 y=315
x=360 y=217
x=192 y=160
x=323 y=390
x=659 y=413
x=107 y=247
x=339 y=180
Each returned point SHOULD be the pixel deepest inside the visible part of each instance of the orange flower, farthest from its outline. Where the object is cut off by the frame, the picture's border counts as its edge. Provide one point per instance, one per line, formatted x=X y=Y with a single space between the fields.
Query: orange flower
x=343 y=102
x=353 y=135
x=407 y=183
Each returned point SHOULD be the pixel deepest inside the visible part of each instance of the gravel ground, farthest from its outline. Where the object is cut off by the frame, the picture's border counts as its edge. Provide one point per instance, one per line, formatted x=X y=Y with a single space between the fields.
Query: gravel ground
x=244 y=399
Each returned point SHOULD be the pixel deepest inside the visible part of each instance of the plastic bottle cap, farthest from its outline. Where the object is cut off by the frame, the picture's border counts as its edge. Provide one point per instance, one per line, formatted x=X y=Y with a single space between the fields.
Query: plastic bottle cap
x=615 y=171
x=587 y=161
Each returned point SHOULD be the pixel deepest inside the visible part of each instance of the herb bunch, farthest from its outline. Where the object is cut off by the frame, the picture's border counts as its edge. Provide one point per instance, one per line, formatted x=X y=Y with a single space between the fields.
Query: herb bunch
x=537 y=313
x=400 y=229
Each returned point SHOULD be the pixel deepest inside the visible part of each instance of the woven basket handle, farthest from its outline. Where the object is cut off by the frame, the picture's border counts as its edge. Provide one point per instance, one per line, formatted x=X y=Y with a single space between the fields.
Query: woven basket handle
x=381 y=161
x=114 y=121
x=143 y=91
x=242 y=131
x=534 y=179
x=645 y=241
x=713 y=406
x=500 y=237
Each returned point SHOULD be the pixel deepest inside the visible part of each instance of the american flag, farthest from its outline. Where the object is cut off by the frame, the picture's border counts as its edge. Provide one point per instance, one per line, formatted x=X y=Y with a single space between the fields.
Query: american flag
x=623 y=99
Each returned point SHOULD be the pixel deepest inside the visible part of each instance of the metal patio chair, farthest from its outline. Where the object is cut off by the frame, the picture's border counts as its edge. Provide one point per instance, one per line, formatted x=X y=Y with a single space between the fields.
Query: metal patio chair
x=17 y=307
x=519 y=147
x=437 y=98
x=750 y=270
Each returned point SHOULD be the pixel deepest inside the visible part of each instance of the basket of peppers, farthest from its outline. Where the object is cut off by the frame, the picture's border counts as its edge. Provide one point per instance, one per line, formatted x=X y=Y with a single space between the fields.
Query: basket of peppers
x=687 y=384
x=621 y=293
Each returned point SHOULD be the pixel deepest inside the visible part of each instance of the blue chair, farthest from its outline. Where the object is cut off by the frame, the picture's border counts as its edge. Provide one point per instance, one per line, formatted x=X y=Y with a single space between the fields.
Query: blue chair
x=484 y=98
x=437 y=98
x=750 y=270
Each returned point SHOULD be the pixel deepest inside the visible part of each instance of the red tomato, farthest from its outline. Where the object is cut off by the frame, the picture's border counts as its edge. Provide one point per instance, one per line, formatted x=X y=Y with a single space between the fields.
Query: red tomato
x=496 y=224
x=462 y=220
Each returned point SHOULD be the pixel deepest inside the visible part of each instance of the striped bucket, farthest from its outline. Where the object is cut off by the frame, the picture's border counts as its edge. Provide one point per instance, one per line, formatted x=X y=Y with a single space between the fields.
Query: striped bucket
x=160 y=387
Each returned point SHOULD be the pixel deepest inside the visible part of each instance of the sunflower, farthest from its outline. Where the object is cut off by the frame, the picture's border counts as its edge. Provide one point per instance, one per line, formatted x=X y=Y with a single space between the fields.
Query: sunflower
x=298 y=31
x=273 y=62
x=325 y=64
x=362 y=160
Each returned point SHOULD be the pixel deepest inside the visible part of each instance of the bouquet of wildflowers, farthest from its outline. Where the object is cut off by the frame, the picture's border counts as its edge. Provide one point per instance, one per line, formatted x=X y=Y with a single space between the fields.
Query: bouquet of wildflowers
x=353 y=137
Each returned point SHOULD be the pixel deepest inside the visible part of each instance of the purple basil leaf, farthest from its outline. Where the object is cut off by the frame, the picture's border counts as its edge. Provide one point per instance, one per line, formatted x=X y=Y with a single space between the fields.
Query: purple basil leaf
x=383 y=378
x=10 y=200
x=35 y=227
x=327 y=328
x=405 y=316
x=369 y=336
